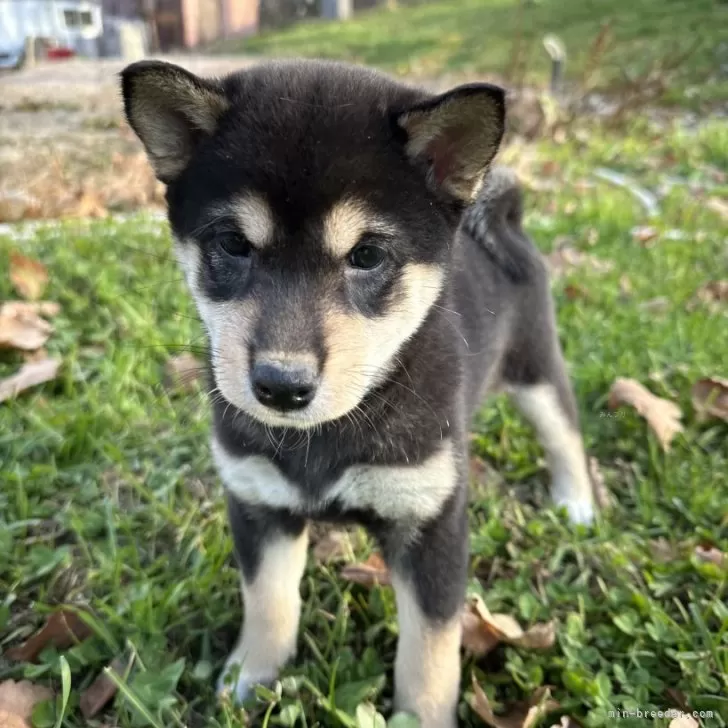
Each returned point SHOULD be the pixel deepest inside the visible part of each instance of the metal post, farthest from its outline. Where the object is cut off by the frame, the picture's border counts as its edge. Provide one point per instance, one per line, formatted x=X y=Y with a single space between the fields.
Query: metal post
x=337 y=9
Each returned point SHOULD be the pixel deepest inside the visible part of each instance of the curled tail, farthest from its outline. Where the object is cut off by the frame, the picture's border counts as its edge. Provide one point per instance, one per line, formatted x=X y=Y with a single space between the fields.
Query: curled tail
x=495 y=222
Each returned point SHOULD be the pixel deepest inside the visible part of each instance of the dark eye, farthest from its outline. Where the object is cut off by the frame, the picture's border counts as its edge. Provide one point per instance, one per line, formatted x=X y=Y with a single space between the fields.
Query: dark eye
x=235 y=245
x=366 y=256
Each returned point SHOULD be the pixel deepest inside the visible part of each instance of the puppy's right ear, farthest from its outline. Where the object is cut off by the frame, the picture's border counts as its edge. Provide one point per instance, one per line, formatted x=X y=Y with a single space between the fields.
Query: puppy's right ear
x=170 y=109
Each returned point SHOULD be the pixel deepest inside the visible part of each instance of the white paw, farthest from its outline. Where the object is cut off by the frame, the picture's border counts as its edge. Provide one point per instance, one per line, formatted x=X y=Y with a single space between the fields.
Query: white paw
x=580 y=512
x=236 y=683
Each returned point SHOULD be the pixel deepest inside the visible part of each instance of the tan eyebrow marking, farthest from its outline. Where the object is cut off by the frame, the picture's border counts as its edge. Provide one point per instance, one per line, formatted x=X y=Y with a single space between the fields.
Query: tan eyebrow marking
x=255 y=218
x=347 y=221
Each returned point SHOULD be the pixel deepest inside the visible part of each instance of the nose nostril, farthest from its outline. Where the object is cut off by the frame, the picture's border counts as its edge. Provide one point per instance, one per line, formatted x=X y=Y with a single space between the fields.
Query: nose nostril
x=281 y=388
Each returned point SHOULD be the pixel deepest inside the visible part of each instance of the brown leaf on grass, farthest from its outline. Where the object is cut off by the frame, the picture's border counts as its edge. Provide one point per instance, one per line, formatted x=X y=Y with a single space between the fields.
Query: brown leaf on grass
x=369 y=573
x=711 y=554
x=184 y=371
x=31 y=374
x=684 y=721
x=664 y=551
x=482 y=630
x=16 y=206
x=63 y=628
x=519 y=715
x=662 y=415
x=678 y=698
x=710 y=398
x=656 y=305
x=332 y=546
x=712 y=295
x=602 y=497
x=86 y=203
x=33 y=356
x=102 y=689
x=625 y=286
x=575 y=292
x=644 y=234
x=21 y=325
x=17 y=700
x=566 y=258
x=719 y=206
x=30 y=277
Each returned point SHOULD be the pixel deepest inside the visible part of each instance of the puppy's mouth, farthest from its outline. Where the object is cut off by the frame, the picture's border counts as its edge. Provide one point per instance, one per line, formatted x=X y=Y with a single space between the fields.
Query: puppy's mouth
x=299 y=409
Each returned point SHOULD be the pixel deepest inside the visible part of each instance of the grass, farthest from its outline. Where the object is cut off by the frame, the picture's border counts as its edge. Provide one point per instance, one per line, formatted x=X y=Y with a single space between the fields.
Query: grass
x=480 y=36
x=109 y=498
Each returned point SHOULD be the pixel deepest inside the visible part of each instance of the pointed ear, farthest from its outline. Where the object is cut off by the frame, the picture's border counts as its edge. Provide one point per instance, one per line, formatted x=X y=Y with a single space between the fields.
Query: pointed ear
x=170 y=109
x=454 y=137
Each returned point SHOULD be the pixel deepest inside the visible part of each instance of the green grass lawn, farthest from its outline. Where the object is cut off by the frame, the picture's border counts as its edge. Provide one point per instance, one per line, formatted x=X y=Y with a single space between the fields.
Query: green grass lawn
x=108 y=496
x=479 y=36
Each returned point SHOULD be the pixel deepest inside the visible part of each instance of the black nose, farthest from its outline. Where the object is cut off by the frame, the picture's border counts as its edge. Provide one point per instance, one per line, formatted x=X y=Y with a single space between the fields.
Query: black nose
x=283 y=387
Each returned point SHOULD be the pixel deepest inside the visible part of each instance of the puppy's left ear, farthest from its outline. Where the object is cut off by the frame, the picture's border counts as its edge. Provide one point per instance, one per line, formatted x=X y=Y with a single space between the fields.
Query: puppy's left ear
x=453 y=137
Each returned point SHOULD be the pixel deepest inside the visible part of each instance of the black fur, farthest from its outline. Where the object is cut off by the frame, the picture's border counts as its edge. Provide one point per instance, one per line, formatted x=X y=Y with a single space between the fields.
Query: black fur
x=308 y=135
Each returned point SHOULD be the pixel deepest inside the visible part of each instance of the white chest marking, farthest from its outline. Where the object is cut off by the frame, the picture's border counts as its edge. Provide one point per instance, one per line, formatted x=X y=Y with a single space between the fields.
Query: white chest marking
x=394 y=492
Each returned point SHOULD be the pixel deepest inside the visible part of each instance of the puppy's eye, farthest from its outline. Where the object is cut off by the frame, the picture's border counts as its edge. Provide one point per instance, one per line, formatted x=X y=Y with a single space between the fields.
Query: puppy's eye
x=366 y=256
x=235 y=245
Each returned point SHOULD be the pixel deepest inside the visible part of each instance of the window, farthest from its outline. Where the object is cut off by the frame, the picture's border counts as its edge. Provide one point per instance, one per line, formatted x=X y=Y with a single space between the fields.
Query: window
x=78 y=18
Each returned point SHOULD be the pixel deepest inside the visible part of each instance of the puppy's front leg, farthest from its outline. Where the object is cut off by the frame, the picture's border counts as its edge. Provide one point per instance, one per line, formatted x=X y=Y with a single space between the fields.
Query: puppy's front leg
x=429 y=576
x=270 y=547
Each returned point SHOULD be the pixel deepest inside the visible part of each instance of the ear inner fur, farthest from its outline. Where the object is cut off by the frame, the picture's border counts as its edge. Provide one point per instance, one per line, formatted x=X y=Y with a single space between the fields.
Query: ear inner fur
x=168 y=107
x=457 y=134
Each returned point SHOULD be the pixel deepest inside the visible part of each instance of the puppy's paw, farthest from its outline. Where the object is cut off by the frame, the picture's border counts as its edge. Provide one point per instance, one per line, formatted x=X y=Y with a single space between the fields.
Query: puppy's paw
x=236 y=683
x=580 y=511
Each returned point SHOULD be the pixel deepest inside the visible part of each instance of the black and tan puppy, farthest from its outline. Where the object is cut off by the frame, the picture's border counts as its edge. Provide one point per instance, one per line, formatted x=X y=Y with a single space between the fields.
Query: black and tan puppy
x=364 y=281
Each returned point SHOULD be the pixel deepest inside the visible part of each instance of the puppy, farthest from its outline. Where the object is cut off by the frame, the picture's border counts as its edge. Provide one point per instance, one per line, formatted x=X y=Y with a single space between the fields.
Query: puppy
x=364 y=281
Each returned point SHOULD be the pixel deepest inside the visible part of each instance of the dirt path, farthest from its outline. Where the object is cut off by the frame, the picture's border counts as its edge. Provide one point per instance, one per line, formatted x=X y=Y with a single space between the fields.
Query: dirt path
x=64 y=146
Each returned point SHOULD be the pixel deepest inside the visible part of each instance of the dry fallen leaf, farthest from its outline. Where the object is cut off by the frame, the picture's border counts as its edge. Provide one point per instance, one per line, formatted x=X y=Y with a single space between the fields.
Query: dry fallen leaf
x=678 y=698
x=710 y=398
x=102 y=689
x=712 y=295
x=88 y=203
x=184 y=371
x=371 y=572
x=656 y=305
x=62 y=629
x=575 y=291
x=644 y=233
x=16 y=206
x=482 y=630
x=21 y=325
x=602 y=497
x=331 y=546
x=684 y=721
x=711 y=554
x=719 y=206
x=566 y=258
x=664 y=551
x=17 y=700
x=31 y=374
x=519 y=715
x=662 y=415
x=29 y=276
x=625 y=286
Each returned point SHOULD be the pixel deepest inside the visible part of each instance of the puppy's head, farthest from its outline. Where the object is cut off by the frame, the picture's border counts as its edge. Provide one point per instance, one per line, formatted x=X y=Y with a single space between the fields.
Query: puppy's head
x=313 y=207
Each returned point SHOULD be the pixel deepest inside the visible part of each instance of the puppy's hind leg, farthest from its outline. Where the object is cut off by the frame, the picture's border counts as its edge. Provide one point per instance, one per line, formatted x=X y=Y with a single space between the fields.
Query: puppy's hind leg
x=535 y=375
x=270 y=547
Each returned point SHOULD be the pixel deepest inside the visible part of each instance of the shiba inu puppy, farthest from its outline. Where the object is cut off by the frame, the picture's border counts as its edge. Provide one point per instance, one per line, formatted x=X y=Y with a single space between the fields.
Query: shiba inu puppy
x=364 y=281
